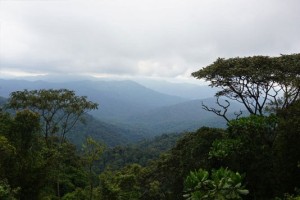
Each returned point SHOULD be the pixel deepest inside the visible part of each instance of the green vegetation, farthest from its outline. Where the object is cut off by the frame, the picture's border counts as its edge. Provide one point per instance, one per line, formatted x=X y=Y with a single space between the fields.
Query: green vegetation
x=140 y=153
x=254 y=157
x=59 y=110
x=222 y=184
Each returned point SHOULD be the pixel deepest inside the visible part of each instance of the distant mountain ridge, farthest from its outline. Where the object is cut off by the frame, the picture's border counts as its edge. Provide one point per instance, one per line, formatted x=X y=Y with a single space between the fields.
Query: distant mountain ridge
x=186 y=90
x=117 y=99
x=186 y=116
x=131 y=109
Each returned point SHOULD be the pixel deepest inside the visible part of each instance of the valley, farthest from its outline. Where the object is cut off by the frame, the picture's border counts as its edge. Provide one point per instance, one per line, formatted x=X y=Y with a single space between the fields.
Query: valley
x=129 y=112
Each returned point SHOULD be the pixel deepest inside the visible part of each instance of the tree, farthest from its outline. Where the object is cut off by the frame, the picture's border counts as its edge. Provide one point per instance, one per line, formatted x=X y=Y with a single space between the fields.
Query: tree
x=66 y=171
x=288 y=79
x=266 y=148
x=256 y=81
x=23 y=164
x=123 y=184
x=6 y=192
x=222 y=184
x=59 y=109
x=287 y=150
x=92 y=151
x=165 y=176
x=248 y=147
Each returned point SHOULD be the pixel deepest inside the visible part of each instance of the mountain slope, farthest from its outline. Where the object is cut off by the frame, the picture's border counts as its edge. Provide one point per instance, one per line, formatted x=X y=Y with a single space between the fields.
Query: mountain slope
x=130 y=108
x=109 y=134
x=186 y=116
x=186 y=90
x=117 y=99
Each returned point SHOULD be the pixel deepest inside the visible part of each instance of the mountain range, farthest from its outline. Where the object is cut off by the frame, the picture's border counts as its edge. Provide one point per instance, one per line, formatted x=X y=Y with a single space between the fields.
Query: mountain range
x=129 y=111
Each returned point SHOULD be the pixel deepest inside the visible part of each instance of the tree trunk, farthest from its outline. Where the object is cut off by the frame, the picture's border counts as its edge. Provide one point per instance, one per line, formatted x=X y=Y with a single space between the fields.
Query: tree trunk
x=91 y=182
x=58 y=189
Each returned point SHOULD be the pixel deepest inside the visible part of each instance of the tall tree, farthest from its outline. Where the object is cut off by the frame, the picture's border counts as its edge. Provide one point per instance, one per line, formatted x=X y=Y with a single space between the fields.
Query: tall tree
x=256 y=81
x=92 y=151
x=287 y=150
x=59 y=109
x=23 y=164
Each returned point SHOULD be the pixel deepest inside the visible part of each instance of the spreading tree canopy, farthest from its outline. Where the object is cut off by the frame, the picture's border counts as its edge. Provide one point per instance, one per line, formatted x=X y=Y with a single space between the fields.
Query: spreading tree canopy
x=59 y=110
x=257 y=82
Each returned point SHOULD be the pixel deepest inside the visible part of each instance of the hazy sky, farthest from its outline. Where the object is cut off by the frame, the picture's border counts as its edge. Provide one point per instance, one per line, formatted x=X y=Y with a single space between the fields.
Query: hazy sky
x=140 y=38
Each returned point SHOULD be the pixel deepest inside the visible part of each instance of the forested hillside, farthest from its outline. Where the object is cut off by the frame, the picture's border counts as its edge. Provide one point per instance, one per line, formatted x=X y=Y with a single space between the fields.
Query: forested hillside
x=186 y=116
x=255 y=156
x=109 y=134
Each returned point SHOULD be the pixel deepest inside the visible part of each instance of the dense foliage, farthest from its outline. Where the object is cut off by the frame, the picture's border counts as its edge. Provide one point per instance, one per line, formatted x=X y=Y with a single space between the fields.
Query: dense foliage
x=264 y=150
x=221 y=184
x=140 y=153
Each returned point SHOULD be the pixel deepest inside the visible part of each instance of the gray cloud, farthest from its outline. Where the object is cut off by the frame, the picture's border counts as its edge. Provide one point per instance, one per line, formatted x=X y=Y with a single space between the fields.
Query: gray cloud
x=167 y=38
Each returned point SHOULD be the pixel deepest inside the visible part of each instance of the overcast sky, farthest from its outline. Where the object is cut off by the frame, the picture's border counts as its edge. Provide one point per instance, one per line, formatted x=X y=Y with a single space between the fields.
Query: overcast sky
x=140 y=38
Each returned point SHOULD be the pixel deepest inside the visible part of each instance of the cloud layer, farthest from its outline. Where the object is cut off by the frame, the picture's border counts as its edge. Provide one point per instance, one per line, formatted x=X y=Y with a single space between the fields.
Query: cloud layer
x=167 y=38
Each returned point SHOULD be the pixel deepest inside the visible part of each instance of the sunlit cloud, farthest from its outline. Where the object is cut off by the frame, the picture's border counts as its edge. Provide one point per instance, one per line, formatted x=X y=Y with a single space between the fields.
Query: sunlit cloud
x=18 y=73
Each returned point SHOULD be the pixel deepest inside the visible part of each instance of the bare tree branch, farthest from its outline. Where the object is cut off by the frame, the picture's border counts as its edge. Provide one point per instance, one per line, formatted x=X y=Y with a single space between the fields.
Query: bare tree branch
x=220 y=112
